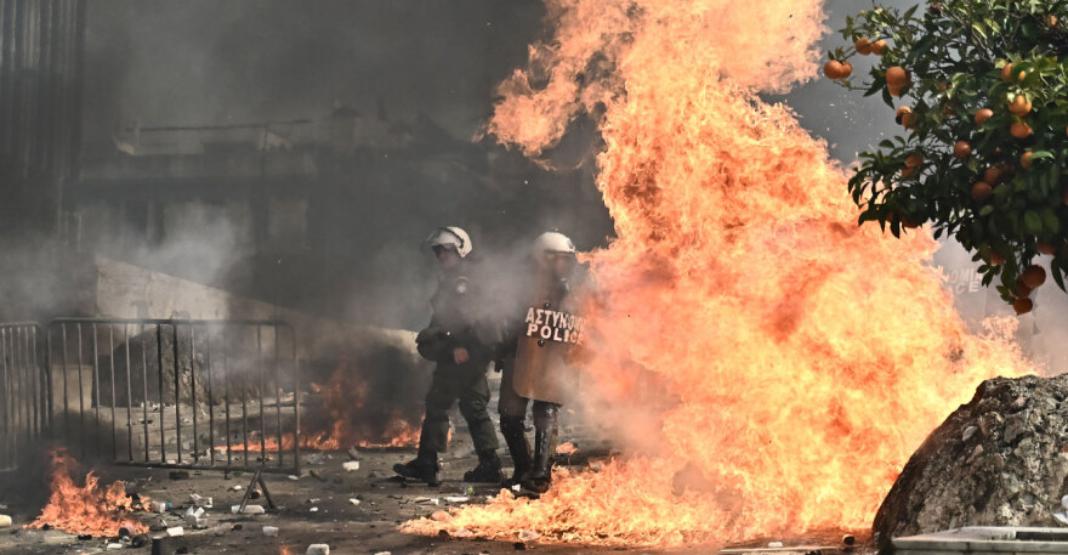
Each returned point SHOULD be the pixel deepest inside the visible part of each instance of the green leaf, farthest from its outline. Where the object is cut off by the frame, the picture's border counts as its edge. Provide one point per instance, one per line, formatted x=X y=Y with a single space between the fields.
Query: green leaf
x=1033 y=222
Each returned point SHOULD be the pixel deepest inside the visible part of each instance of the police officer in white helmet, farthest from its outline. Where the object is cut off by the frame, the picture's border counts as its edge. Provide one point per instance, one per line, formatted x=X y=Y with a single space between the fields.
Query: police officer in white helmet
x=548 y=329
x=462 y=343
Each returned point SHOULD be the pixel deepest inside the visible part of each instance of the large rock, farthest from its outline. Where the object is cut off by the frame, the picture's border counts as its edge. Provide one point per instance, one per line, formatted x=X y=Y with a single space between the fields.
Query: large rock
x=1001 y=459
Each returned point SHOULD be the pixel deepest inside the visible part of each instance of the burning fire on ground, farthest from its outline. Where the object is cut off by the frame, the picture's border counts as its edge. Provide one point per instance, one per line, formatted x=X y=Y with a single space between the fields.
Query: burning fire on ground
x=770 y=365
x=346 y=418
x=91 y=509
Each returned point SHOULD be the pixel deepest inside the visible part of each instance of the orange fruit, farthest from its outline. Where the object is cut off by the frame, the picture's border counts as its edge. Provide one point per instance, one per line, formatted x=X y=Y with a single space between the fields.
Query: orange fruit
x=1026 y=159
x=1047 y=248
x=847 y=70
x=1021 y=290
x=913 y=160
x=996 y=259
x=1006 y=72
x=1020 y=130
x=863 y=46
x=908 y=172
x=983 y=115
x=903 y=115
x=1051 y=20
x=962 y=149
x=981 y=191
x=833 y=69
x=1020 y=106
x=1023 y=306
x=992 y=175
x=896 y=76
x=878 y=47
x=1033 y=276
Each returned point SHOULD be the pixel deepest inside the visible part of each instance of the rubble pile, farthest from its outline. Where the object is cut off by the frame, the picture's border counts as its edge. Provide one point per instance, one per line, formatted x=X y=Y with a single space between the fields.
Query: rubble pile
x=999 y=460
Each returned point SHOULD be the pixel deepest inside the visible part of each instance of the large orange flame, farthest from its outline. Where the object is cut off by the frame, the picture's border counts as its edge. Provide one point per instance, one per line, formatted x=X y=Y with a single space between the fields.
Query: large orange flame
x=90 y=509
x=770 y=365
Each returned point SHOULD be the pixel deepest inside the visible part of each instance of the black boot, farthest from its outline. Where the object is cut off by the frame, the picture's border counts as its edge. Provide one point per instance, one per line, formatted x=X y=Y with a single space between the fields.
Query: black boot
x=541 y=473
x=424 y=468
x=488 y=470
x=515 y=437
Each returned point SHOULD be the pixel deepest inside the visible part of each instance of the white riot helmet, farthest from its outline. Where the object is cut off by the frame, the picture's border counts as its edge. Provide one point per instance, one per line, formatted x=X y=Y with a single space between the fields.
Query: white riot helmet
x=451 y=237
x=552 y=242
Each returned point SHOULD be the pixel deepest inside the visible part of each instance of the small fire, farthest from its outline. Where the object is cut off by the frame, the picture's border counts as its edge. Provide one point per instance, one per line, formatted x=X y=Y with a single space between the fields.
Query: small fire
x=89 y=509
x=399 y=434
x=768 y=366
x=345 y=419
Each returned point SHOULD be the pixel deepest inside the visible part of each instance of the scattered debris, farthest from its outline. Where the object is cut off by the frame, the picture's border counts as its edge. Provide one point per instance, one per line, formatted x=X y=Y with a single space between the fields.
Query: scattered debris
x=199 y=501
x=351 y=466
x=5 y=521
x=441 y=516
x=355 y=502
x=775 y=545
x=318 y=549
x=111 y=546
x=293 y=477
x=316 y=475
x=458 y=499
x=353 y=454
x=175 y=531
x=528 y=535
x=195 y=517
x=313 y=510
x=249 y=509
x=162 y=506
x=236 y=487
x=427 y=500
x=270 y=531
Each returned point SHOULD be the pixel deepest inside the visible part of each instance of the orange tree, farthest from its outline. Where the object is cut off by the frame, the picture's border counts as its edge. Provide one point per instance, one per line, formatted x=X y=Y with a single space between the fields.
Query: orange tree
x=980 y=89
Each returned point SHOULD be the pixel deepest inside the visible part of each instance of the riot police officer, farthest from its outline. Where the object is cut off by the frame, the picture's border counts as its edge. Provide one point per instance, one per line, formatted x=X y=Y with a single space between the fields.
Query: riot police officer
x=462 y=342
x=547 y=331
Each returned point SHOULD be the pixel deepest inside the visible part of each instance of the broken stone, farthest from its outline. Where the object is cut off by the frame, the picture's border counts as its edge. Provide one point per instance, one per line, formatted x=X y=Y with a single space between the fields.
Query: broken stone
x=1011 y=473
x=353 y=454
x=175 y=531
x=113 y=546
x=236 y=487
x=528 y=535
x=355 y=502
x=351 y=466
x=968 y=433
x=293 y=477
x=458 y=499
x=270 y=531
x=249 y=509
x=318 y=549
x=5 y=521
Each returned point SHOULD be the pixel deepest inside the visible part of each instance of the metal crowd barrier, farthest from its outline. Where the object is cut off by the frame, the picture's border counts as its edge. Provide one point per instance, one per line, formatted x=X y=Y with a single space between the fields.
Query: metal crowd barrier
x=177 y=393
x=23 y=414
